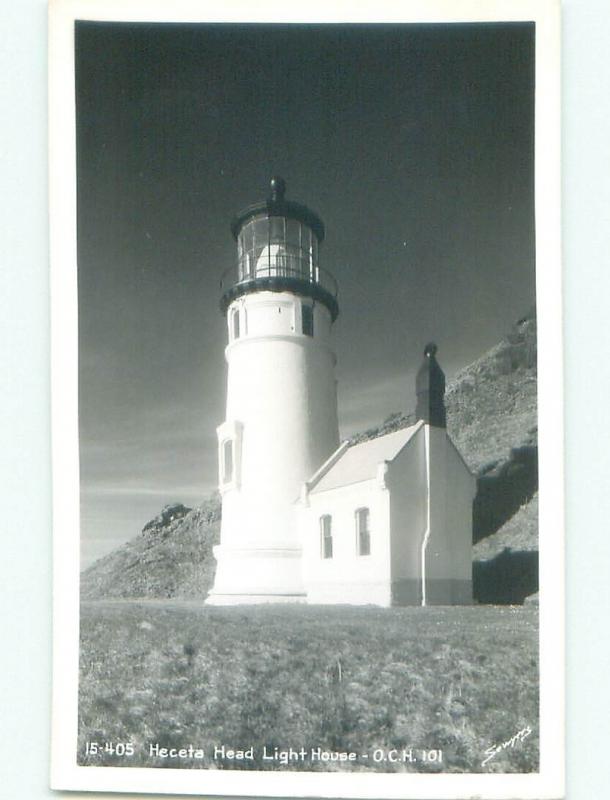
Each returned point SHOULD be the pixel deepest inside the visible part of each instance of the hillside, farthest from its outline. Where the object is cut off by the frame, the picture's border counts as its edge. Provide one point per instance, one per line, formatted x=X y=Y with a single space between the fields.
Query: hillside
x=519 y=533
x=492 y=417
x=491 y=404
x=172 y=557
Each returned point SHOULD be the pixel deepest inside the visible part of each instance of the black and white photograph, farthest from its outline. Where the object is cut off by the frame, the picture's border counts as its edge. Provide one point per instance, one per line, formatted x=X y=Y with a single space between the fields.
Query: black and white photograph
x=306 y=536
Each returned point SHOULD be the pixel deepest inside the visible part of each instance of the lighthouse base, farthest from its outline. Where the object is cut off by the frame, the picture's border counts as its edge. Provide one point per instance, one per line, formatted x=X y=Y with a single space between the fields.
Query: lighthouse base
x=252 y=599
x=248 y=575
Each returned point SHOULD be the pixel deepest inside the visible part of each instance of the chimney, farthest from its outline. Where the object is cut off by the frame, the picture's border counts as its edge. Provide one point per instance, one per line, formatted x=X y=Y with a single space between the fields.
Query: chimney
x=430 y=390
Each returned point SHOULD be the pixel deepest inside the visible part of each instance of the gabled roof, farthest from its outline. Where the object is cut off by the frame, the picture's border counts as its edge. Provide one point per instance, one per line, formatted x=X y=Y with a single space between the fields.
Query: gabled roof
x=360 y=461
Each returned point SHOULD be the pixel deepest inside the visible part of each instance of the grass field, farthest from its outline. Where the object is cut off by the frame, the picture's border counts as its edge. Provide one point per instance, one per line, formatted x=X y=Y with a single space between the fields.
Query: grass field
x=176 y=674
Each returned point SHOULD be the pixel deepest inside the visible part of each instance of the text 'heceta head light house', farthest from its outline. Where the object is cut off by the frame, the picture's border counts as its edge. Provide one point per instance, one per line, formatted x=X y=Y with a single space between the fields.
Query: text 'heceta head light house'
x=386 y=521
x=281 y=420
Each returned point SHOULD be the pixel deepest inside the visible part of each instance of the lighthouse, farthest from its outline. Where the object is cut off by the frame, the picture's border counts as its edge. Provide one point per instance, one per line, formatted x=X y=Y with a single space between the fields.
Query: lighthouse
x=281 y=412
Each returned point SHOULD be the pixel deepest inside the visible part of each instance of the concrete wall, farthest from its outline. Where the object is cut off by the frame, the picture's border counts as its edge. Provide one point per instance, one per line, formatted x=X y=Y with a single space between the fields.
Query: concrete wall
x=460 y=496
x=406 y=480
x=448 y=565
x=281 y=395
x=448 y=554
x=347 y=577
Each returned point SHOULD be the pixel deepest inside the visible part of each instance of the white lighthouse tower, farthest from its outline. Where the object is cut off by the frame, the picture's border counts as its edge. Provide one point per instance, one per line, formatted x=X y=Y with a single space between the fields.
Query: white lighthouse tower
x=281 y=419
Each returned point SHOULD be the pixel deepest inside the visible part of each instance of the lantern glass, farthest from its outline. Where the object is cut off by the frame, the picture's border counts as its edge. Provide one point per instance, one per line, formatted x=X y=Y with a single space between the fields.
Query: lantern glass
x=277 y=246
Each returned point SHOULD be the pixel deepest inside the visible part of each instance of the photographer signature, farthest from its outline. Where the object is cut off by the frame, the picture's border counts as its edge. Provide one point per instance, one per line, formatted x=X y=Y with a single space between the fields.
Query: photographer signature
x=494 y=749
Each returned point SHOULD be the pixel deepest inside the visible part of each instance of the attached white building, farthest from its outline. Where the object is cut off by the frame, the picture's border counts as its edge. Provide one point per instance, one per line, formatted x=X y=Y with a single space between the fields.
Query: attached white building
x=389 y=521
x=385 y=522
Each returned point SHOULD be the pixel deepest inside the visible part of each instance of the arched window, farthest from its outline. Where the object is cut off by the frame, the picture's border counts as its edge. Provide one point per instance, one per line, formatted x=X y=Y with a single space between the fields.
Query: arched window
x=227 y=461
x=363 y=532
x=326 y=536
x=230 y=435
x=235 y=322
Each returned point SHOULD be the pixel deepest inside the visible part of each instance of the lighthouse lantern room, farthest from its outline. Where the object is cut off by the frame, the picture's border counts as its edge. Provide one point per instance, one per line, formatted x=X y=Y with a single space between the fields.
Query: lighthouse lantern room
x=281 y=414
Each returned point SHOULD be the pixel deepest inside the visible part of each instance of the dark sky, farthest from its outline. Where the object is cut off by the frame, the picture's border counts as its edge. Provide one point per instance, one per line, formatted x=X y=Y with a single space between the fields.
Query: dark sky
x=414 y=143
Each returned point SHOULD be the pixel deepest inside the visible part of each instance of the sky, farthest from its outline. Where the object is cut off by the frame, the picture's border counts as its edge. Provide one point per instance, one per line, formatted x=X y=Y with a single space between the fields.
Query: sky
x=414 y=143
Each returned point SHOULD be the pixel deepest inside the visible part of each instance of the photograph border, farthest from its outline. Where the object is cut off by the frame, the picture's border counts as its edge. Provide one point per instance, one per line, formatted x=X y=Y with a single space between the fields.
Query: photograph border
x=65 y=774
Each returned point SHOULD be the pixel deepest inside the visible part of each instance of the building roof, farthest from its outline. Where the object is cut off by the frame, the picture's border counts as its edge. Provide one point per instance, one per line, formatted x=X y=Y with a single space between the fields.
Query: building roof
x=360 y=461
x=276 y=205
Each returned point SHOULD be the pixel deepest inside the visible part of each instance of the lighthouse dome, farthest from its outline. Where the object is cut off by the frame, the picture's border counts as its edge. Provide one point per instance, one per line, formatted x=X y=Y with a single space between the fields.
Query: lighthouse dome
x=278 y=244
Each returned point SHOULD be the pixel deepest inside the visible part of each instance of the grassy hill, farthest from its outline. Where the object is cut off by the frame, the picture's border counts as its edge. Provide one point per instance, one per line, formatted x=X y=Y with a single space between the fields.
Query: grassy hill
x=520 y=533
x=492 y=417
x=172 y=557
x=456 y=679
x=491 y=403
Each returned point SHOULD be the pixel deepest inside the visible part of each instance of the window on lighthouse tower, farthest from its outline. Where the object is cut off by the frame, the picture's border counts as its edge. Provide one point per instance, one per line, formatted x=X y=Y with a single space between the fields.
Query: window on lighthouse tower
x=235 y=324
x=226 y=455
x=307 y=318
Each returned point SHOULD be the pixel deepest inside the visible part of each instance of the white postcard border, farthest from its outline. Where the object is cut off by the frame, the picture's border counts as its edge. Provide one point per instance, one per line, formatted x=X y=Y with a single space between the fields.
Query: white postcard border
x=65 y=774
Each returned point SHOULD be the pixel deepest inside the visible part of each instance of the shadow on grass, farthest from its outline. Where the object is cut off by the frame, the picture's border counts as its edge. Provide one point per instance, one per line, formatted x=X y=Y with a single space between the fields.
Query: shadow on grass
x=503 y=490
x=506 y=579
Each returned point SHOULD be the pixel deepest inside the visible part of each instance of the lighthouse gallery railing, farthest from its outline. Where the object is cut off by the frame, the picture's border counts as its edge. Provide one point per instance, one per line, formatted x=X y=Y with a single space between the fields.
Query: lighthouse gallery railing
x=277 y=266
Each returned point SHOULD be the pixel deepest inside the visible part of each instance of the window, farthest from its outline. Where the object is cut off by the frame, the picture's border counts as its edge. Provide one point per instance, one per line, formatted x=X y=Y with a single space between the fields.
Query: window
x=306 y=238
x=260 y=232
x=230 y=436
x=227 y=461
x=277 y=230
x=326 y=537
x=307 y=319
x=246 y=253
x=363 y=532
x=236 y=326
